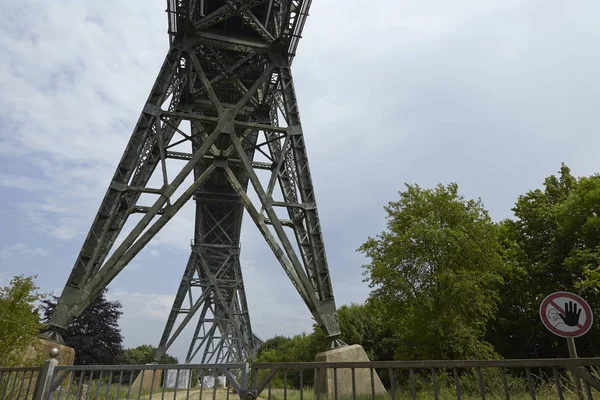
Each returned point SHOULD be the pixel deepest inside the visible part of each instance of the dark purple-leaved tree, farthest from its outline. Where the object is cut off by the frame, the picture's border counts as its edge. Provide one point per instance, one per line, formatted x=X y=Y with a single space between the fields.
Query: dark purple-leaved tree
x=95 y=334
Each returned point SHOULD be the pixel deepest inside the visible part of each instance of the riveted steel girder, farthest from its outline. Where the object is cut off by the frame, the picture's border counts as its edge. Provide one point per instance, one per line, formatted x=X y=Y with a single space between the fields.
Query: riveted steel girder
x=227 y=74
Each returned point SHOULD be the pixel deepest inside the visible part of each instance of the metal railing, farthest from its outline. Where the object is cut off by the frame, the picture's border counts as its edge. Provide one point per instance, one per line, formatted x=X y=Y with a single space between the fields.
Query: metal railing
x=506 y=379
x=18 y=383
x=490 y=379
x=177 y=381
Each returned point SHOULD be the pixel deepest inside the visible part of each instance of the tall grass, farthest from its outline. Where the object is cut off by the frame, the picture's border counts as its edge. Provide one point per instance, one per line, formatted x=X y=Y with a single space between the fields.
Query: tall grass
x=17 y=384
x=103 y=391
x=517 y=384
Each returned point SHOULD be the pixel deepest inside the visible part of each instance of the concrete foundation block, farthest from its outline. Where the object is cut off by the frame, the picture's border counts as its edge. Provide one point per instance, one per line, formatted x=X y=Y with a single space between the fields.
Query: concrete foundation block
x=146 y=383
x=362 y=376
x=39 y=352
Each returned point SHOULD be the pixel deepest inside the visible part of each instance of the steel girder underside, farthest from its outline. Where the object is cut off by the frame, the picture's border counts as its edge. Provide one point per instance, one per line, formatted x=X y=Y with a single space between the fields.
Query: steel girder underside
x=227 y=73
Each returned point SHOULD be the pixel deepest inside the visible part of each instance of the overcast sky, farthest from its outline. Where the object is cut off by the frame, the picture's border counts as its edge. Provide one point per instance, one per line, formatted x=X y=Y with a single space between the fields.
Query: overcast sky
x=493 y=95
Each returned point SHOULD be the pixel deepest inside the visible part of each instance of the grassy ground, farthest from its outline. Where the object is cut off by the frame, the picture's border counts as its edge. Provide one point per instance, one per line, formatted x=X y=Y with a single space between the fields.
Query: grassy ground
x=114 y=393
x=518 y=387
x=545 y=388
x=545 y=393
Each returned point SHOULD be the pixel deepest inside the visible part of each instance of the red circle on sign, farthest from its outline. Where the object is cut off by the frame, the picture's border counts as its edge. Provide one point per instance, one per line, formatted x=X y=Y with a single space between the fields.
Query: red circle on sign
x=585 y=309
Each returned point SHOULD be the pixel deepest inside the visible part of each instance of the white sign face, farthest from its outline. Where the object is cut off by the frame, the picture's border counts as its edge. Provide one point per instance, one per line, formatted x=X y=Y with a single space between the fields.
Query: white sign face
x=173 y=379
x=566 y=314
x=209 y=382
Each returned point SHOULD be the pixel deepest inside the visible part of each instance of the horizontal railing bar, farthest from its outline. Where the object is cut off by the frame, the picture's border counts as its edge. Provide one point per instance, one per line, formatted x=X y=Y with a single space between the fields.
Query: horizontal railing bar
x=549 y=362
x=139 y=367
x=18 y=369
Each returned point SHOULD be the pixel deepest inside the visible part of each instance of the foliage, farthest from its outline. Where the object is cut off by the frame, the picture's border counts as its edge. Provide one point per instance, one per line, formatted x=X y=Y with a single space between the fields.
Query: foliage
x=296 y=349
x=552 y=244
x=359 y=324
x=144 y=354
x=362 y=324
x=545 y=388
x=95 y=333
x=435 y=274
x=19 y=319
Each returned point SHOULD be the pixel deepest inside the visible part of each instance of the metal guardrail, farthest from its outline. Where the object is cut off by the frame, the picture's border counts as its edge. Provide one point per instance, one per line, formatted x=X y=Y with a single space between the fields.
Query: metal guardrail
x=506 y=379
x=486 y=379
x=174 y=381
x=18 y=383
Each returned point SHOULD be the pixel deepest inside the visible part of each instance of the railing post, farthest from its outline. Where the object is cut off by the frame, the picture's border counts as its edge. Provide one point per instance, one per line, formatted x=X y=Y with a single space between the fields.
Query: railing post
x=573 y=354
x=246 y=393
x=44 y=383
x=254 y=380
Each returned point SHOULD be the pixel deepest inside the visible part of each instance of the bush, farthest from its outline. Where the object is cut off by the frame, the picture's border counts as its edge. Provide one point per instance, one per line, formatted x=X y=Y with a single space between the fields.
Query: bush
x=19 y=320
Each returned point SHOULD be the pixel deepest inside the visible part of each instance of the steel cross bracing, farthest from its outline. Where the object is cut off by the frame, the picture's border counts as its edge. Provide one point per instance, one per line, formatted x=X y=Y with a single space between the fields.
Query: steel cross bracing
x=227 y=78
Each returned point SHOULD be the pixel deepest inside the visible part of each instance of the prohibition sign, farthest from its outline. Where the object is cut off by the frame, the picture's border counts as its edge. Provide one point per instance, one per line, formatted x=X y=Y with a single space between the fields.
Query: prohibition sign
x=566 y=314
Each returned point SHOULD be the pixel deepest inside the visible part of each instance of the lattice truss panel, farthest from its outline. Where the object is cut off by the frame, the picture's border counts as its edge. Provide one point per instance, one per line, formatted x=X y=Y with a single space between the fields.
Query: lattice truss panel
x=222 y=110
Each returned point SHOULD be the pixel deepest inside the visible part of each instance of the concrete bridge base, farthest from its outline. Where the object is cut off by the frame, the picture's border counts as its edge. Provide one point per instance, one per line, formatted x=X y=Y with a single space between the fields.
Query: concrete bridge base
x=362 y=376
x=147 y=383
x=38 y=352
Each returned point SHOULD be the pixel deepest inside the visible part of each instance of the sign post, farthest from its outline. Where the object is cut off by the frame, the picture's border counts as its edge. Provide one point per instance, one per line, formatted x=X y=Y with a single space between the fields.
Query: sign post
x=567 y=315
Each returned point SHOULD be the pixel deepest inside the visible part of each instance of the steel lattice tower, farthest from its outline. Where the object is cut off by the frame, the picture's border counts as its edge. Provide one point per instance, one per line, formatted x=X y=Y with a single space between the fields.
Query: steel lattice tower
x=227 y=73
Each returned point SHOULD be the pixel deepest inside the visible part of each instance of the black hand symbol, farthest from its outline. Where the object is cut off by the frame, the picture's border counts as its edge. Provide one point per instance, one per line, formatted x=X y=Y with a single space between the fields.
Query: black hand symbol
x=571 y=317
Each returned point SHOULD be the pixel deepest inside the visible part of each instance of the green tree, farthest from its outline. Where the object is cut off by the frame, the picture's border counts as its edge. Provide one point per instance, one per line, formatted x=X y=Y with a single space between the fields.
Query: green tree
x=275 y=343
x=361 y=324
x=435 y=274
x=300 y=348
x=552 y=244
x=144 y=354
x=19 y=319
x=95 y=333
x=579 y=219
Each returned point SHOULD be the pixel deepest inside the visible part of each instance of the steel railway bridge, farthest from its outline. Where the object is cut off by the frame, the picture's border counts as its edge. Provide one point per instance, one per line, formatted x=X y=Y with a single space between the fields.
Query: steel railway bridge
x=224 y=93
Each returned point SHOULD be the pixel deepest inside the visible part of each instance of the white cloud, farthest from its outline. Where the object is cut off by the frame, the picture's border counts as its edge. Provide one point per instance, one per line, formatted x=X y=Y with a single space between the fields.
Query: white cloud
x=150 y=305
x=144 y=315
x=134 y=267
x=21 y=249
x=154 y=252
x=18 y=182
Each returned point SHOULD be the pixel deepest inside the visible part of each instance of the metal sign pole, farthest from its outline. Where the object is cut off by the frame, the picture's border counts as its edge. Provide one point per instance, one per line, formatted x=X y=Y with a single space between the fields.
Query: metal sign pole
x=567 y=315
x=573 y=354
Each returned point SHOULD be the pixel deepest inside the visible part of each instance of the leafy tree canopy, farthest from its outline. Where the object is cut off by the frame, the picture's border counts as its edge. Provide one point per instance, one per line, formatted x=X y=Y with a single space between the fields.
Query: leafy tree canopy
x=144 y=354
x=435 y=272
x=552 y=244
x=19 y=319
x=95 y=334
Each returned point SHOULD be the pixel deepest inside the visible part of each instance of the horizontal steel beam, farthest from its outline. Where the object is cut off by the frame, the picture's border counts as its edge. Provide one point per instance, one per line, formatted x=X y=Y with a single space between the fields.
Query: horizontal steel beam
x=145 y=209
x=219 y=37
x=253 y=125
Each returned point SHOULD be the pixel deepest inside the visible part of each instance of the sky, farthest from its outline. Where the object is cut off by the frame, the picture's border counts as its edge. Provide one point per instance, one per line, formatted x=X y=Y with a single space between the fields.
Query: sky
x=493 y=95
